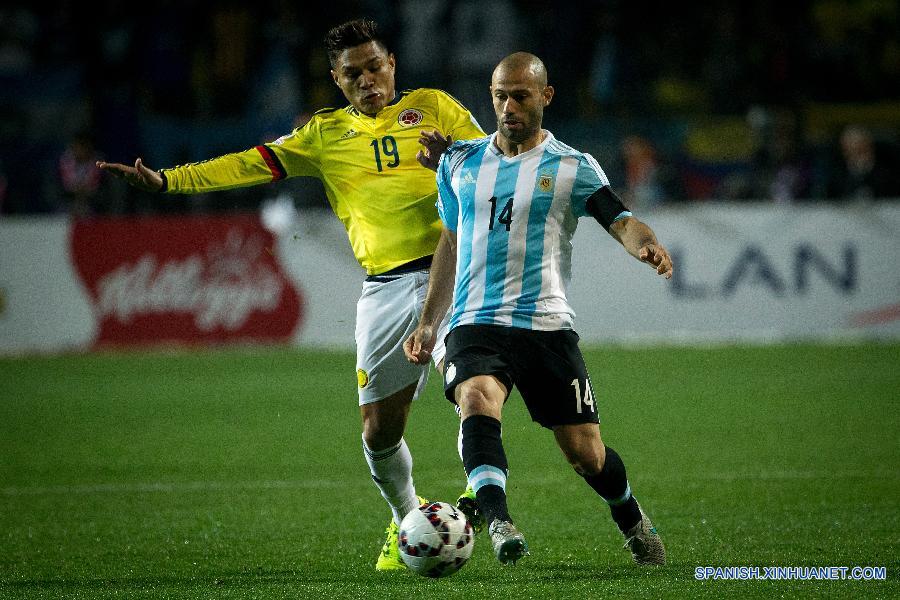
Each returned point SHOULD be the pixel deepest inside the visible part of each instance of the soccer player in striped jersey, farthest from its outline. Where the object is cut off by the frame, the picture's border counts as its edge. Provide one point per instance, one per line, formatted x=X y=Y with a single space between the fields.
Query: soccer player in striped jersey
x=370 y=156
x=510 y=204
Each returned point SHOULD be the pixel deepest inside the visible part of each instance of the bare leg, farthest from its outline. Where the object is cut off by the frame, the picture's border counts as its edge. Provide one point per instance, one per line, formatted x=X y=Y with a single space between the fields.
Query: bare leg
x=602 y=468
x=582 y=446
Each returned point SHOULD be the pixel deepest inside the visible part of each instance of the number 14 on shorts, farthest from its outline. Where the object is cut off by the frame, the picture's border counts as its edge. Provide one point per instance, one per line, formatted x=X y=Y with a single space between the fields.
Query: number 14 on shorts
x=584 y=395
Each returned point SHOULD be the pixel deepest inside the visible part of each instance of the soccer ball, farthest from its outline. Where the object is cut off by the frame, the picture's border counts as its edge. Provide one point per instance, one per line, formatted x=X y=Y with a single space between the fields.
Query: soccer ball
x=435 y=539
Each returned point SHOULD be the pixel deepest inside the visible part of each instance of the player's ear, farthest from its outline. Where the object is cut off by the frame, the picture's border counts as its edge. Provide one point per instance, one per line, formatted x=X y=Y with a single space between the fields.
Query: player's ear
x=335 y=78
x=548 y=94
x=392 y=61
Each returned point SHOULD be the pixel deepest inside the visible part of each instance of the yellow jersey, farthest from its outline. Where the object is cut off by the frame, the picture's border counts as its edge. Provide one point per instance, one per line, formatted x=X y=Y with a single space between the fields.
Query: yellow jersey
x=368 y=166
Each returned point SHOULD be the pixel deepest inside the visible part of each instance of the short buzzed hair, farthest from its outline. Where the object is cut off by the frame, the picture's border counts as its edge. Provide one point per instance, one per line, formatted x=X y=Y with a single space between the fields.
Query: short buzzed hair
x=525 y=60
x=351 y=34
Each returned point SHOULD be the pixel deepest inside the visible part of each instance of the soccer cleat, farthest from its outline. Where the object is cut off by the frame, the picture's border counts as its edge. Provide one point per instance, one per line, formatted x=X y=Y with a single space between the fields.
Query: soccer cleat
x=644 y=542
x=389 y=558
x=468 y=505
x=509 y=543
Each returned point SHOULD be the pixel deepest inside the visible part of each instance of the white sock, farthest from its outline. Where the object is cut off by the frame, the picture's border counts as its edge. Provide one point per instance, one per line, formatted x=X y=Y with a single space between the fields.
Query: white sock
x=392 y=472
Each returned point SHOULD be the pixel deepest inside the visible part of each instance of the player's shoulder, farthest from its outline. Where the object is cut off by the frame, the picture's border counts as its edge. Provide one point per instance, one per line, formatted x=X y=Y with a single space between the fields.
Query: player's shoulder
x=332 y=114
x=326 y=123
x=467 y=146
x=460 y=150
x=439 y=98
x=556 y=146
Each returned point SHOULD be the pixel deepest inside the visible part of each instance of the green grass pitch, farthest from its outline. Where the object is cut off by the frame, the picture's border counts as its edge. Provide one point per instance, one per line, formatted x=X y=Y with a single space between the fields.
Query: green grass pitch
x=239 y=474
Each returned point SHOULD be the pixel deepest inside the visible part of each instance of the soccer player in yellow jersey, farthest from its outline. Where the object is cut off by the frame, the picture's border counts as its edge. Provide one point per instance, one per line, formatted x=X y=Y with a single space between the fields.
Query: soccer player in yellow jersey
x=370 y=156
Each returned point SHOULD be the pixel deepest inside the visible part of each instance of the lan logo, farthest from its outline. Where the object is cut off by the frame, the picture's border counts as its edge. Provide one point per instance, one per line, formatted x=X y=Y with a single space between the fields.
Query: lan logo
x=545 y=183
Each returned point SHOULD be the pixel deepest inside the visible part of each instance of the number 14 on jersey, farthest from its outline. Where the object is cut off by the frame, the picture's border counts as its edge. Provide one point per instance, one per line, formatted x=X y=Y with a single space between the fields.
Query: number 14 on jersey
x=505 y=216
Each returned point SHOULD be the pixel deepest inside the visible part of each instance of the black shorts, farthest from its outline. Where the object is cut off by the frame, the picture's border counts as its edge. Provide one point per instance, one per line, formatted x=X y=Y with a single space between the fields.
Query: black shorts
x=546 y=366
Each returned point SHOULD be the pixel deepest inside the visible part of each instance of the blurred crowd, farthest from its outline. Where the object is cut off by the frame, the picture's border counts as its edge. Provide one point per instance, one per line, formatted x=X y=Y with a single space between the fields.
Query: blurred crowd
x=763 y=101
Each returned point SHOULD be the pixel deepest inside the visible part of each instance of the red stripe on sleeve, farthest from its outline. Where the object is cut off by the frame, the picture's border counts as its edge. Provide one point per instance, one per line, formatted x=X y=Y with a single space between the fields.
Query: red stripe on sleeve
x=272 y=162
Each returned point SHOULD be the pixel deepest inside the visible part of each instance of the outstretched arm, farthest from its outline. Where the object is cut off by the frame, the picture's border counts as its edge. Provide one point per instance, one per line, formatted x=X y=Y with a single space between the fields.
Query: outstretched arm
x=260 y=164
x=140 y=176
x=639 y=241
x=441 y=282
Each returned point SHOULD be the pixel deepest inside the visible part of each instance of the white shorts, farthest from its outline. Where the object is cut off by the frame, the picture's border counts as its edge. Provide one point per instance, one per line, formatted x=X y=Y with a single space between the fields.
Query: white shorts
x=386 y=314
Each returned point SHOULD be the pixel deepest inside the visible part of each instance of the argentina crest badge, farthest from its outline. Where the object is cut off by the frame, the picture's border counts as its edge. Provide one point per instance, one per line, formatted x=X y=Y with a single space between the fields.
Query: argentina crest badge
x=545 y=183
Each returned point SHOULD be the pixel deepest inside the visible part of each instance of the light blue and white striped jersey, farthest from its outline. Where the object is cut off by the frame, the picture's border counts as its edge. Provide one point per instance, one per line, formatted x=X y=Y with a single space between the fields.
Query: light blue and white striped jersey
x=514 y=218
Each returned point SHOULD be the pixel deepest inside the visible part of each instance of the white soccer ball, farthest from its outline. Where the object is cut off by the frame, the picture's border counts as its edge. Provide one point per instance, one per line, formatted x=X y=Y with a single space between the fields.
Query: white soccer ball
x=435 y=539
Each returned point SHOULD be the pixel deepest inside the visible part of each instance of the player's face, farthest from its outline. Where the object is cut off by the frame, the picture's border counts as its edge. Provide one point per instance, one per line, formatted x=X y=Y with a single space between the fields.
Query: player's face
x=365 y=74
x=519 y=103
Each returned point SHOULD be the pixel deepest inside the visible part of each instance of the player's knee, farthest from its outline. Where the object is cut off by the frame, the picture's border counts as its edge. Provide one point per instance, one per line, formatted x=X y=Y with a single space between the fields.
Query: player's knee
x=381 y=431
x=473 y=399
x=380 y=438
x=582 y=447
x=384 y=420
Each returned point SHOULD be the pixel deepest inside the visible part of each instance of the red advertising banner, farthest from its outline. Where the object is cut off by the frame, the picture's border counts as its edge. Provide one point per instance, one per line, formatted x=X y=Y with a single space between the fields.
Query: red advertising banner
x=184 y=279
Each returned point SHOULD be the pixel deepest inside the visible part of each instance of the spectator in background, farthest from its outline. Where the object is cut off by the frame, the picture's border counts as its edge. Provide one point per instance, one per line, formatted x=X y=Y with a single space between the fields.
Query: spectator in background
x=866 y=170
x=233 y=37
x=79 y=176
x=18 y=35
x=650 y=182
x=477 y=42
x=781 y=170
x=789 y=171
x=602 y=79
x=278 y=89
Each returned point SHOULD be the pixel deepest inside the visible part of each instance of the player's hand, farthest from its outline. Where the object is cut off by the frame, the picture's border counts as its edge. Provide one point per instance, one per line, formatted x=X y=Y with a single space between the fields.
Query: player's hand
x=140 y=176
x=435 y=145
x=656 y=256
x=419 y=345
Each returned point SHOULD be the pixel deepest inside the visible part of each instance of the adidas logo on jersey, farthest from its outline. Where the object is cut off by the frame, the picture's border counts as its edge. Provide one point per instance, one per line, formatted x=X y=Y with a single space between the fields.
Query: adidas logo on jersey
x=349 y=134
x=468 y=179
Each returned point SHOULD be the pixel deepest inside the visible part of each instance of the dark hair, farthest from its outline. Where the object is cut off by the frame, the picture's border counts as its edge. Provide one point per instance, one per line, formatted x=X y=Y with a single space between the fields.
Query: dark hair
x=350 y=34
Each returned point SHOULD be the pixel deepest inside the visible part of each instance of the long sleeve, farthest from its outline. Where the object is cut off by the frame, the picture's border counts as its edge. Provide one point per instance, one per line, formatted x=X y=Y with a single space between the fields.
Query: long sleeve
x=292 y=155
x=239 y=169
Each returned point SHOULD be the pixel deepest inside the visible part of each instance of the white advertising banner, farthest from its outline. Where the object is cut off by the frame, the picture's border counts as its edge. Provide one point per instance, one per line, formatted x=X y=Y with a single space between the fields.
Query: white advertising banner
x=745 y=273
x=43 y=305
x=315 y=253
x=757 y=273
